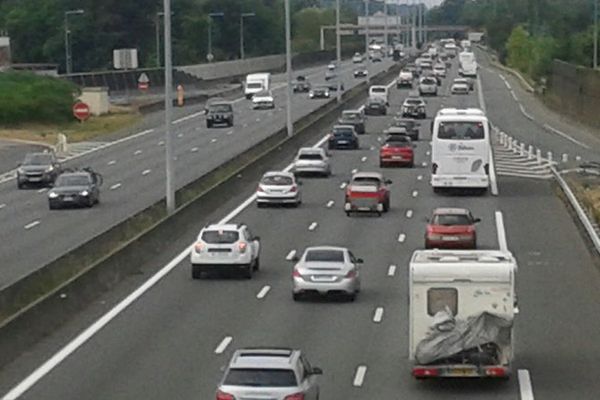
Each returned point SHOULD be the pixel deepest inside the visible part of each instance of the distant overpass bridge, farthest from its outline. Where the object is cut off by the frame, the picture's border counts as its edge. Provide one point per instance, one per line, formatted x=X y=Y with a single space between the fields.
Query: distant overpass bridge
x=393 y=29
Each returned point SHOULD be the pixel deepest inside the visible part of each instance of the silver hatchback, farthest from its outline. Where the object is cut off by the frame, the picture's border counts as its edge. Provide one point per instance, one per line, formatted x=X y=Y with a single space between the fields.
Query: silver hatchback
x=269 y=374
x=278 y=187
x=311 y=161
x=326 y=270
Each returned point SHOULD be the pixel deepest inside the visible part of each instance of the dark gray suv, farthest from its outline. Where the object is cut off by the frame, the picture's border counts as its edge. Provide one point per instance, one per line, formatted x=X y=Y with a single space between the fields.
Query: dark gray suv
x=219 y=113
x=38 y=169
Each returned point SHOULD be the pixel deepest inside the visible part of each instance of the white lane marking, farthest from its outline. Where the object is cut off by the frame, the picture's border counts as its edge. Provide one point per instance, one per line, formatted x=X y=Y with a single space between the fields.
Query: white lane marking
x=290 y=255
x=415 y=193
x=424 y=163
x=480 y=95
x=493 y=179
x=514 y=96
x=223 y=345
x=146 y=172
x=391 y=270
x=363 y=159
x=420 y=177
x=343 y=185
x=361 y=108
x=161 y=143
x=330 y=203
x=2 y=206
x=564 y=135
x=112 y=162
x=354 y=171
x=501 y=232
x=180 y=120
x=257 y=119
x=180 y=135
x=32 y=225
x=194 y=149
x=428 y=153
x=372 y=148
x=378 y=316
x=359 y=377
x=525 y=113
x=115 y=186
x=313 y=226
x=525 y=386
x=401 y=238
x=409 y=214
x=137 y=152
x=263 y=292
x=43 y=190
x=230 y=133
x=213 y=140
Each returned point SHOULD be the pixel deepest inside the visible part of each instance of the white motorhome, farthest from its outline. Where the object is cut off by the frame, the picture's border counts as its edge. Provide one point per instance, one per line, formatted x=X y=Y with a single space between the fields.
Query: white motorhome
x=460 y=149
x=256 y=83
x=462 y=306
x=467 y=65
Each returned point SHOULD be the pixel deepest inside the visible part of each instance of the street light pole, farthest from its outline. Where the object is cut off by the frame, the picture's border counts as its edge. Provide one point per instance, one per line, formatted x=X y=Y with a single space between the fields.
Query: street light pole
x=209 y=55
x=385 y=25
x=157 y=26
x=367 y=40
x=169 y=168
x=242 y=16
x=288 y=68
x=338 y=44
x=595 y=34
x=68 y=52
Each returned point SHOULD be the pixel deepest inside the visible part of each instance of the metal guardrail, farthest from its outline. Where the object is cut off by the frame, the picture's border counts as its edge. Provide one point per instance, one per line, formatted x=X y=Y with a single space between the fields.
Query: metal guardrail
x=581 y=214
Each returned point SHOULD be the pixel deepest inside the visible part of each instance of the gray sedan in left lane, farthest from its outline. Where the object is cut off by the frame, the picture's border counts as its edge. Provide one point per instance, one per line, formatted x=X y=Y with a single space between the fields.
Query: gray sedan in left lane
x=326 y=270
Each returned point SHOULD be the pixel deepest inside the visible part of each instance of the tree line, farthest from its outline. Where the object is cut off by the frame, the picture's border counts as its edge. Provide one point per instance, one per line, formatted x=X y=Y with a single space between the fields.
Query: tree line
x=37 y=29
x=527 y=34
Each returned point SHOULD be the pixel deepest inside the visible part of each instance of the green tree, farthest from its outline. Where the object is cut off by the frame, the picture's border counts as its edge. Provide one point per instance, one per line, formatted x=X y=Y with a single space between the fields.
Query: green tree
x=518 y=47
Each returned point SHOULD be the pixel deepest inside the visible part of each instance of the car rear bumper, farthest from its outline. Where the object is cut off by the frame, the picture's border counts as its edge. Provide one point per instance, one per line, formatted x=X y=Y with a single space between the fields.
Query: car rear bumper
x=338 y=145
x=77 y=201
x=277 y=199
x=41 y=179
x=460 y=181
x=392 y=160
x=311 y=170
x=345 y=285
x=363 y=205
x=460 y=243
x=209 y=261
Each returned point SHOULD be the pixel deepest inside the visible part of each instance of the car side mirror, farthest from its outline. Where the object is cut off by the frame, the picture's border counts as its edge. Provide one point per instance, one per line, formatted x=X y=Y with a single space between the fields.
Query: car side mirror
x=295 y=259
x=388 y=181
x=256 y=238
x=299 y=183
x=476 y=220
x=359 y=261
x=316 y=371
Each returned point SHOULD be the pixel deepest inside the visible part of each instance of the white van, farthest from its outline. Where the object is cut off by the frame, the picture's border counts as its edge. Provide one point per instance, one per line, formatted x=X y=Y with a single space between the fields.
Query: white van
x=379 y=91
x=256 y=83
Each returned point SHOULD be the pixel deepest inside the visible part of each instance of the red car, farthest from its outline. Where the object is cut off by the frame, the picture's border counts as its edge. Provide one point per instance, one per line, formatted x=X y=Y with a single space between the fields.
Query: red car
x=367 y=192
x=451 y=228
x=397 y=150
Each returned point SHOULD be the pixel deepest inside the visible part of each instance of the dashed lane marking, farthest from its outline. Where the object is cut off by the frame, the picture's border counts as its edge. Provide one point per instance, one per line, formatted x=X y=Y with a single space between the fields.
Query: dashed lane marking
x=223 y=345
x=415 y=193
x=31 y=225
x=137 y=152
x=313 y=226
x=43 y=190
x=424 y=164
x=263 y=292
x=290 y=256
x=161 y=143
x=354 y=171
x=115 y=186
x=213 y=140
x=112 y=162
x=343 y=185
x=409 y=214
x=391 y=270
x=401 y=238
x=525 y=386
x=359 y=376
x=378 y=316
x=420 y=177
x=146 y=172
x=501 y=231
x=330 y=203
x=363 y=159
x=2 y=206
x=194 y=149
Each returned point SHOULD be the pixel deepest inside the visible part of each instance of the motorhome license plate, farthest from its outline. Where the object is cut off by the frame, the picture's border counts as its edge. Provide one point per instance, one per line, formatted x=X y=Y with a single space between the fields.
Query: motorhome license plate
x=461 y=372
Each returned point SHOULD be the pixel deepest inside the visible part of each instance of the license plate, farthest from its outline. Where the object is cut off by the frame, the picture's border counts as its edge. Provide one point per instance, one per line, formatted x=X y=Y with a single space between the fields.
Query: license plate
x=68 y=198
x=35 y=179
x=450 y=238
x=343 y=142
x=397 y=158
x=323 y=278
x=462 y=372
x=364 y=208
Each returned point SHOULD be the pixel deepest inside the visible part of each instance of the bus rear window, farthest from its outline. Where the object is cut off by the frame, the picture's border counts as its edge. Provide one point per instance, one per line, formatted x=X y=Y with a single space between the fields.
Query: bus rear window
x=461 y=130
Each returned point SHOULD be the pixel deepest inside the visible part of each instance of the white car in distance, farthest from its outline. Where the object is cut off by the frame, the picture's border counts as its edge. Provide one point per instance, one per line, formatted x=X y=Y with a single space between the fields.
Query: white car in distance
x=263 y=100
x=278 y=187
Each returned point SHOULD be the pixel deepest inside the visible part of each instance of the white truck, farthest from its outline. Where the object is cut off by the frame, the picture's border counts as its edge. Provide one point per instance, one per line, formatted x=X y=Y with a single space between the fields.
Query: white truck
x=462 y=306
x=467 y=65
x=256 y=83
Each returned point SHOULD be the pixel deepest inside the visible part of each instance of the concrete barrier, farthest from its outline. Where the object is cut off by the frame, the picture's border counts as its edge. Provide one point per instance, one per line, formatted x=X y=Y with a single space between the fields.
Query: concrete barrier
x=39 y=303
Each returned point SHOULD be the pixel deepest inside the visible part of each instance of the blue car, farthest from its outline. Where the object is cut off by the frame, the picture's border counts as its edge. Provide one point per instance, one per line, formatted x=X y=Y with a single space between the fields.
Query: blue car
x=343 y=137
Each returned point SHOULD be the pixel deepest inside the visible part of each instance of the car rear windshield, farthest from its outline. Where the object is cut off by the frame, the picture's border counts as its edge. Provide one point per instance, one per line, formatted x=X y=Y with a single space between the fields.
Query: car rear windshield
x=342 y=132
x=413 y=102
x=451 y=219
x=461 y=130
x=254 y=85
x=72 y=180
x=365 y=181
x=428 y=81
x=261 y=377
x=310 y=156
x=279 y=180
x=350 y=115
x=220 y=237
x=220 y=108
x=37 y=159
x=397 y=142
x=378 y=90
x=325 y=256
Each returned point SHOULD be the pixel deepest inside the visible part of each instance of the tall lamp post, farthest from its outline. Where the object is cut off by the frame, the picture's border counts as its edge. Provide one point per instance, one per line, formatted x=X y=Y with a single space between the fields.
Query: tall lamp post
x=367 y=39
x=209 y=56
x=338 y=47
x=242 y=16
x=157 y=27
x=288 y=68
x=169 y=169
x=68 y=56
x=595 y=34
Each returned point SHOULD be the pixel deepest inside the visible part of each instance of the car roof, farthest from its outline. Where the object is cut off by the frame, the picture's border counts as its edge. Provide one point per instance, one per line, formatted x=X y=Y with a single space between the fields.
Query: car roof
x=220 y=103
x=351 y=111
x=76 y=173
x=278 y=173
x=377 y=175
x=334 y=248
x=221 y=227
x=276 y=358
x=343 y=127
x=398 y=138
x=451 y=210
x=311 y=150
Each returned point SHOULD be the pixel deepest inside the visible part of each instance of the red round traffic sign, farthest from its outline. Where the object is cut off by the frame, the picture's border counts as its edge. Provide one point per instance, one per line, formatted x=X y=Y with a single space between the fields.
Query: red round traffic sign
x=143 y=85
x=81 y=111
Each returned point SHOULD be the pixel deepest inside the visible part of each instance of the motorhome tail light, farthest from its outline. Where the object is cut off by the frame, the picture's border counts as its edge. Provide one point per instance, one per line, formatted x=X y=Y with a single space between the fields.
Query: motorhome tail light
x=434 y=168
x=496 y=372
x=242 y=247
x=422 y=372
x=224 y=396
x=295 y=396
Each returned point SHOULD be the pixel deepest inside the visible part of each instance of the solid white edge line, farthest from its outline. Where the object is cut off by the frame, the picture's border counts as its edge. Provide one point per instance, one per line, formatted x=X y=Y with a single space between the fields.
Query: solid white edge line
x=188 y=117
x=263 y=292
x=480 y=95
x=32 y=225
x=84 y=336
x=378 y=316
x=391 y=270
x=501 y=232
x=564 y=135
x=290 y=255
x=359 y=376
x=493 y=178
x=525 y=387
x=221 y=347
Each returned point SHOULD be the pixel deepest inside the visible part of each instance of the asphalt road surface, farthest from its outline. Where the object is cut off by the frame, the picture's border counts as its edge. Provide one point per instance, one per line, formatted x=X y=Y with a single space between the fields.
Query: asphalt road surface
x=163 y=345
x=133 y=171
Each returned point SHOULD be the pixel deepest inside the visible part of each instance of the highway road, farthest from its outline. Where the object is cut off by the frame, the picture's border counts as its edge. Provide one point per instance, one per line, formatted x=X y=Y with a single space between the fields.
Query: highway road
x=133 y=171
x=173 y=341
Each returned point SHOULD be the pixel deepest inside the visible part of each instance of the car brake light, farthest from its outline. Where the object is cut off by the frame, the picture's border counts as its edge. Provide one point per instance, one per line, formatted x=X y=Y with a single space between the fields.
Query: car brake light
x=198 y=247
x=295 y=396
x=224 y=396
x=294 y=189
x=495 y=371
x=260 y=189
x=242 y=247
x=296 y=273
x=351 y=274
x=421 y=372
x=434 y=168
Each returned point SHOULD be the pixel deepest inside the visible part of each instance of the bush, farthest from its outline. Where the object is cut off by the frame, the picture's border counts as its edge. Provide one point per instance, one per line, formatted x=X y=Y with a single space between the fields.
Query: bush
x=26 y=97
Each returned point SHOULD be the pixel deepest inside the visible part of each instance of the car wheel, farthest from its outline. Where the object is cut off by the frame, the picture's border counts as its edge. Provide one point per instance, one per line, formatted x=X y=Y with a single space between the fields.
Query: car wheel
x=257 y=264
x=386 y=205
x=381 y=164
x=97 y=200
x=248 y=271
x=20 y=185
x=196 y=272
x=347 y=213
x=52 y=206
x=296 y=296
x=260 y=205
x=209 y=124
x=352 y=297
x=411 y=165
x=90 y=203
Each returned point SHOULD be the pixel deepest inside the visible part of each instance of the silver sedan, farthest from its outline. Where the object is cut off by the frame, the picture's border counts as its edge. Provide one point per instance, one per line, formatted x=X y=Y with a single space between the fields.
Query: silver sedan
x=326 y=270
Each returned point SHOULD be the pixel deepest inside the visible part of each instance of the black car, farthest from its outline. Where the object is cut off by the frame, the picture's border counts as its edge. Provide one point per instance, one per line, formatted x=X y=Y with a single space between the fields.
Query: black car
x=219 y=113
x=412 y=127
x=354 y=118
x=75 y=189
x=343 y=137
x=319 y=92
x=301 y=86
x=38 y=169
x=376 y=106
x=361 y=72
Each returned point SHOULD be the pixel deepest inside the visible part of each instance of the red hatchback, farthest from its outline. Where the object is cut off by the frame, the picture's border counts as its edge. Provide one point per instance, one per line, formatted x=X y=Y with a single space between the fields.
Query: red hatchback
x=397 y=150
x=451 y=228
